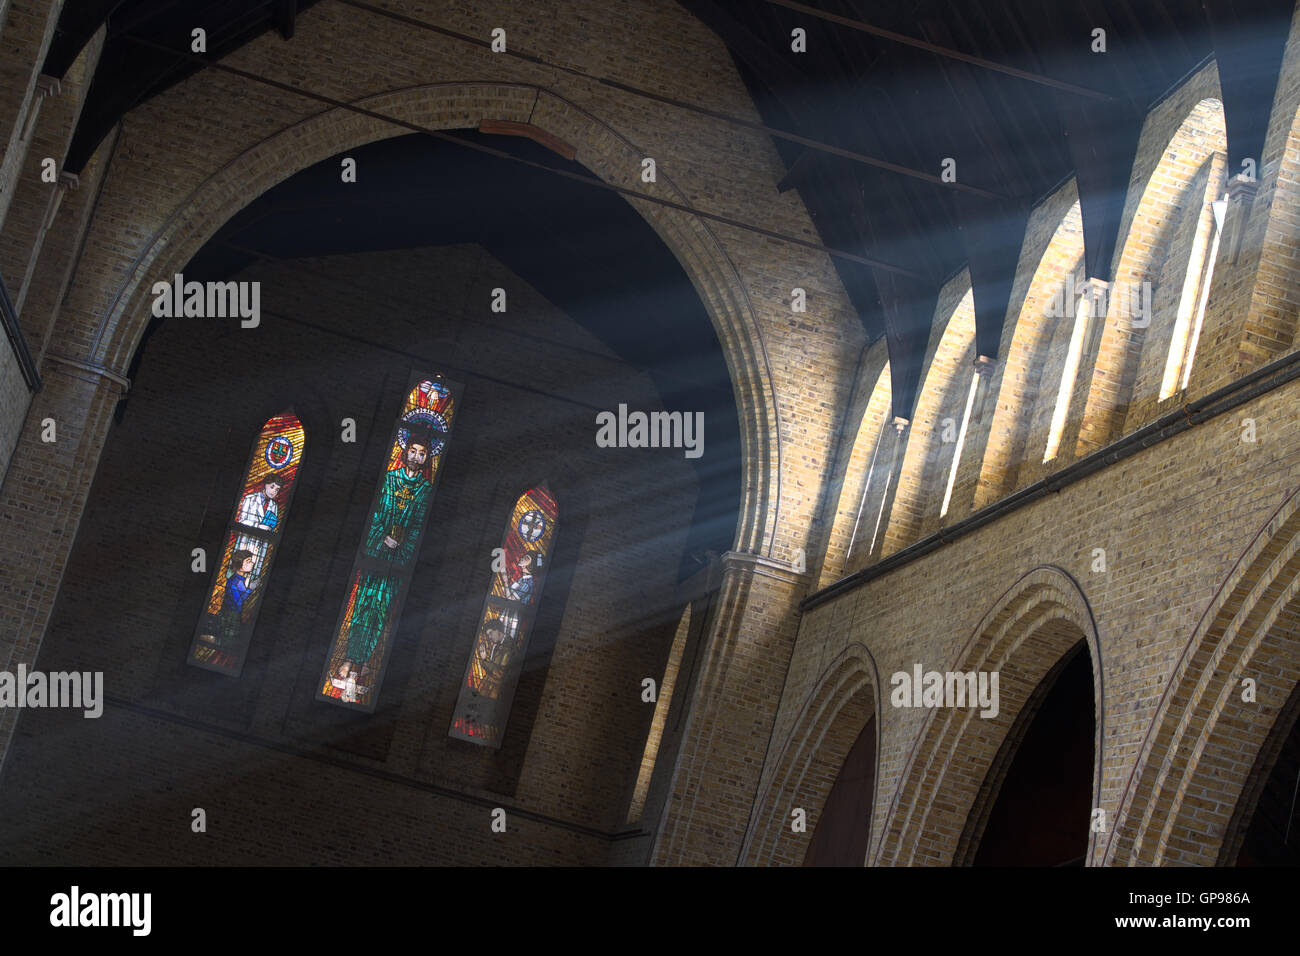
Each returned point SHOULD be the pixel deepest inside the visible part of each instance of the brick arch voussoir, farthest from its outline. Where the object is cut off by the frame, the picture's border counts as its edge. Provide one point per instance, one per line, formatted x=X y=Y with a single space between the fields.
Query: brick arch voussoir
x=1031 y=626
x=842 y=701
x=1029 y=611
x=1202 y=739
x=459 y=105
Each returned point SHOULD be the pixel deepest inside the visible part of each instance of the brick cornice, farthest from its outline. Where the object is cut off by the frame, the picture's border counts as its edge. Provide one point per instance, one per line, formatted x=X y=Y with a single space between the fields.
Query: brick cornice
x=757 y=564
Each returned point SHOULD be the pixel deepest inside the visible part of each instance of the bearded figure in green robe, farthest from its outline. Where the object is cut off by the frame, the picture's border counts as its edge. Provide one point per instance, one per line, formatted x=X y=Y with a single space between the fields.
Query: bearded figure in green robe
x=403 y=499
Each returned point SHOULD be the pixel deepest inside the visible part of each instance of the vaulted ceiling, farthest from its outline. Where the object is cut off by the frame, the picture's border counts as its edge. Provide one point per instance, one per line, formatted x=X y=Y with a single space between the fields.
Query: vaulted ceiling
x=1010 y=90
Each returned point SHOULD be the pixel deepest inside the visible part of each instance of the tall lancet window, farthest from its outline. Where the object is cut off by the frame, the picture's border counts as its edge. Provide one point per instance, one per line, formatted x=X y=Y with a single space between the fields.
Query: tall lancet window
x=1073 y=356
x=961 y=443
x=1196 y=292
x=256 y=526
x=390 y=542
x=519 y=571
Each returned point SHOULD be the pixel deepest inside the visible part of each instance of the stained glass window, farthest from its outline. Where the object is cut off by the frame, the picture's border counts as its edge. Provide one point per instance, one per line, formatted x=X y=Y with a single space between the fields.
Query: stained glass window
x=261 y=510
x=506 y=621
x=390 y=542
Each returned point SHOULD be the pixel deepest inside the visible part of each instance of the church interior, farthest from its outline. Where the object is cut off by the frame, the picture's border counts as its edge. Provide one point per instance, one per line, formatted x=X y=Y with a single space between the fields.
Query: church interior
x=662 y=433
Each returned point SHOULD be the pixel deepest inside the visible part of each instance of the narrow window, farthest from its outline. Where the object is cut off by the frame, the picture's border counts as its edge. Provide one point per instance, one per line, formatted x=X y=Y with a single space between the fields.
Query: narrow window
x=1082 y=313
x=390 y=541
x=664 y=701
x=507 y=620
x=1217 y=209
x=226 y=625
x=866 y=489
x=961 y=442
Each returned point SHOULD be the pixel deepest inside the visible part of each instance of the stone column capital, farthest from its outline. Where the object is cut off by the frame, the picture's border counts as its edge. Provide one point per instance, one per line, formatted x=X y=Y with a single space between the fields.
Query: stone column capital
x=761 y=565
x=1095 y=288
x=47 y=85
x=1242 y=190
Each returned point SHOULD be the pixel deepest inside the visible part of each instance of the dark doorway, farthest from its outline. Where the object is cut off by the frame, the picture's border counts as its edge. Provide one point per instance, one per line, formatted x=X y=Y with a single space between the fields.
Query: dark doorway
x=844 y=829
x=1273 y=836
x=1043 y=808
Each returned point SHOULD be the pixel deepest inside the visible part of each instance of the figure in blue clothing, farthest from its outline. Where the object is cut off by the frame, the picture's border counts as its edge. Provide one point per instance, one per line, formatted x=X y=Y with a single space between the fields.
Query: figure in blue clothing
x=522 y=588
x=239 y=586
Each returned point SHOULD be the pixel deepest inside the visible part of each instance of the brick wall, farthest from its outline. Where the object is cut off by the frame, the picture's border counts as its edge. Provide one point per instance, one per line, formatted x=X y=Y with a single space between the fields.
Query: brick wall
x=338 y=339
x=1173 y=520
x=186 y=161
x=1195 y=531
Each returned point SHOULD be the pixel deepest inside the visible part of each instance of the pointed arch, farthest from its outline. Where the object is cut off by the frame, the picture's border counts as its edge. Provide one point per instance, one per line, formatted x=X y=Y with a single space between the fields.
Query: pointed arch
x=252 y=537
x=1148 y=284
x=862 y=493
x=936 y=428
x=1202 y=748
x=1036 y=623
x=190 y=222
x=1035 y=361
x=835 y=714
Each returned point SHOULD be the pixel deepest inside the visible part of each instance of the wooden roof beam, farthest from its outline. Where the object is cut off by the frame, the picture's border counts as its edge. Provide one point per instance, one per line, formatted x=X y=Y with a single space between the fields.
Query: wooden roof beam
x=1058 y=85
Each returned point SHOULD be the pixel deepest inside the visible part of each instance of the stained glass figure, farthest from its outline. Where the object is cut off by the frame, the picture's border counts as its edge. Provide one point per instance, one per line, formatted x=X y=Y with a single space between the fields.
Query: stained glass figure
x=226 y=625
x=390 y=543
x=506 y=622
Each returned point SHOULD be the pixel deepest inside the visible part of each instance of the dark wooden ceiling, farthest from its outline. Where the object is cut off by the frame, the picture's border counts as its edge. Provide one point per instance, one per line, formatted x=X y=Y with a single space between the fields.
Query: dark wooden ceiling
x=1009 y=89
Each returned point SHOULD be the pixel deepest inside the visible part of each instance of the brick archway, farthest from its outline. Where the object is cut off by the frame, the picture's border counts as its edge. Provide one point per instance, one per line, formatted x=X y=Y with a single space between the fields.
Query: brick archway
x=460 y=105
x=832 y=717
x=1200 y=750
x=1031 y=627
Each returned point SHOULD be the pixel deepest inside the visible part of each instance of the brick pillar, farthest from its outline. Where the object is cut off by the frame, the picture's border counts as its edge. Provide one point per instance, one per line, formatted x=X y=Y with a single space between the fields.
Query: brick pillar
x=984 y=368
x=24 y=42
x=1098 y=404
x=977 y=437
x=41 y=503
x=884 y=504
x=67 y=181
x=733 y=708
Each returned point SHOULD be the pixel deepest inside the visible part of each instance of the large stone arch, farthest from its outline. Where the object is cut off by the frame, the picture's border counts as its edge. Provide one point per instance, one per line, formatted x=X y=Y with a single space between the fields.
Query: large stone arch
x=834 y=714
x=1200 y=750
x=459 y=105
x=1023 y=637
